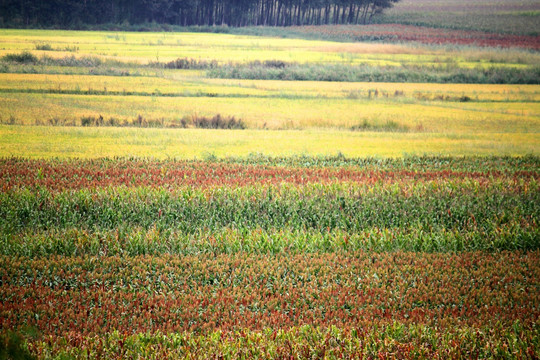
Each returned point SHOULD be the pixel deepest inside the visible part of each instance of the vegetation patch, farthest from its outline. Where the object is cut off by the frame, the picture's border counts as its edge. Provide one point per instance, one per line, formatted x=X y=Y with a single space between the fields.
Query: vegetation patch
x=389 y=125
x=193 y=121
x=186 y=63
x=366 y=73
x=215 y=122
x=21 y=58
x=49 y=47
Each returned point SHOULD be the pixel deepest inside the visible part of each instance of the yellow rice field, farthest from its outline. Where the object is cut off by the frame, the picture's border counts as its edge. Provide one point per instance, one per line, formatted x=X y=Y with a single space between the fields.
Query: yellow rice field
x=145 y=47
x=182 y=82
x=281 y=113
x=313 y=117
x=72 y=142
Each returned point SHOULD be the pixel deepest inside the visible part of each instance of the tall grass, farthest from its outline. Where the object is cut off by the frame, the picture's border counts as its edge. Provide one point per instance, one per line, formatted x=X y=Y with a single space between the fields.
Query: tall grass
x=363 y=73
x=89 y=61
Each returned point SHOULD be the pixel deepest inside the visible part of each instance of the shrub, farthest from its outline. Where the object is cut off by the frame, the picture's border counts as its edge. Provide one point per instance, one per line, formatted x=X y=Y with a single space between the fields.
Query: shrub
x=186 y=63
x=85 y=61
x=389 y=125
x=44 y=47
x=12 y=347
x=92 y=121
x=25 y=57
x=217 y=122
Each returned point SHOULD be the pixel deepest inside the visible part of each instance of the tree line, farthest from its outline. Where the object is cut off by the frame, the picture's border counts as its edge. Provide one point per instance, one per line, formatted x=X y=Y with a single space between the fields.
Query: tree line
x=72 y=13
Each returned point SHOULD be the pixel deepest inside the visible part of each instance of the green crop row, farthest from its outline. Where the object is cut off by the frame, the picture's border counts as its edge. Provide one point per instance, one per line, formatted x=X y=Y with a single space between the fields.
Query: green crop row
x=470 y=164
x=351 y=207
x=441 y=215
x=417 y=164
x=306 y=342
x=133 y=241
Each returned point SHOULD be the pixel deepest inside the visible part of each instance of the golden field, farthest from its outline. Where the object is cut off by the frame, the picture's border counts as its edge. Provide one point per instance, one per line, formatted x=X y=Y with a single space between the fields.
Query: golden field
x=77 y=142
x=280 y=112
x=282 y=116
x=144 y=47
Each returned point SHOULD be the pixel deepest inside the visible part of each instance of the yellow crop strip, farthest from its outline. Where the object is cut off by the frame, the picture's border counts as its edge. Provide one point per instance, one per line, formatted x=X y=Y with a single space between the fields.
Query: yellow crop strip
x=182 y=82
x=274 y=104
x=225 y=48
x=103 y=84
x=481 y=92
x=70 y=142
x=281 y=113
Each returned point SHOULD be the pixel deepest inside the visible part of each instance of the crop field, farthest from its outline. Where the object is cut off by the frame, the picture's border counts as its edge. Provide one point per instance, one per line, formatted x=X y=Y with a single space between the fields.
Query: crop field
x=412 y=98
x=272 y=257
x=92 y=142
x=315 y=192
x=496 y=16
x=397 y=33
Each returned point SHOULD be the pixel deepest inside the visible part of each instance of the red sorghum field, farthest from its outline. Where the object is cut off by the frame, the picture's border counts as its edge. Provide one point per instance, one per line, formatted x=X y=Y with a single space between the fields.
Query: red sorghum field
x=421 y=257
x=423 y=35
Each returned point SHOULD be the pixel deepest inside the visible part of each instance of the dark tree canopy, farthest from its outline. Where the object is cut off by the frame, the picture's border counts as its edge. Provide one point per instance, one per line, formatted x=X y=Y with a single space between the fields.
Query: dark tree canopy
x=71 y=13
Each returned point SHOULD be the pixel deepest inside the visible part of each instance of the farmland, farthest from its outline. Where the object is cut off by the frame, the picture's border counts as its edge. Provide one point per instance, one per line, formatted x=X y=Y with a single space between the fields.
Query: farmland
x=418 y=98
x=506 y=16
x=272 y=257
x=307 y=192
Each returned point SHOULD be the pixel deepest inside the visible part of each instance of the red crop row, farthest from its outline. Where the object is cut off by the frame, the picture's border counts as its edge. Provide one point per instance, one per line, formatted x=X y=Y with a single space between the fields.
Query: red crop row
x=425 y=35
x=78 y=297
x=76 y=175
